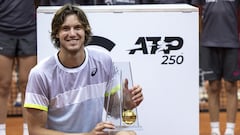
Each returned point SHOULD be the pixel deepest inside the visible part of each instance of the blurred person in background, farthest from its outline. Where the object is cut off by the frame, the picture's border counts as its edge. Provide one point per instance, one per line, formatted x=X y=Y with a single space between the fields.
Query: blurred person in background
x=17 y=42
x=219 y=46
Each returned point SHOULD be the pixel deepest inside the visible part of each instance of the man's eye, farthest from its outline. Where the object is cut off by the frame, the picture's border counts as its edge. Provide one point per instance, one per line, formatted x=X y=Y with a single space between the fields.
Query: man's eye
x=78 y=27
x=65 y=28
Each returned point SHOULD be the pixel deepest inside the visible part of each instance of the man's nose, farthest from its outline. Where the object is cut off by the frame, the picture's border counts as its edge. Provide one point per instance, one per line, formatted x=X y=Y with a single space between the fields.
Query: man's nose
x=72 y=32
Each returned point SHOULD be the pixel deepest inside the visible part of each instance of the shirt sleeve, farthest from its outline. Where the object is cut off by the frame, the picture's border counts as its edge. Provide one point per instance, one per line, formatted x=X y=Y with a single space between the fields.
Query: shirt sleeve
x=36 y=92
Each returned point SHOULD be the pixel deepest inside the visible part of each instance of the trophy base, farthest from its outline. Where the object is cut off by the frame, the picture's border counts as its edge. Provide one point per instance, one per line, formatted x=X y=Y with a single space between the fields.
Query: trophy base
x=125 y=128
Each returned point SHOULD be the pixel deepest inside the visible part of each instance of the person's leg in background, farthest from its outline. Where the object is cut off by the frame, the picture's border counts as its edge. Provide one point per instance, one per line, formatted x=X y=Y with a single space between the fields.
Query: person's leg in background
x=7 y=59
x=231 y=76
x=231 y=93
x=214 y=105
x=6 y=66
x=210 y=64
x=25 y=65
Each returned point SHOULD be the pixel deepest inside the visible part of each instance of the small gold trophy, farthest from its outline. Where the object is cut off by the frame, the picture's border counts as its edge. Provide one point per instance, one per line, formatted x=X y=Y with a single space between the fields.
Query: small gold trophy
x=120 y=109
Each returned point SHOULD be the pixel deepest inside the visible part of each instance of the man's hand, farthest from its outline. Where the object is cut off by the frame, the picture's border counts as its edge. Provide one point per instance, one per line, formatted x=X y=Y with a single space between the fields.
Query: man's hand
x=132 y=97
x=99 y=129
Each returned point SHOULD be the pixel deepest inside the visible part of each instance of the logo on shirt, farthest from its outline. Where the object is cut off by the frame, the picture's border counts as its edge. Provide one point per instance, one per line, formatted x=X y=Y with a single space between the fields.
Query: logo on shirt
x=94 y=71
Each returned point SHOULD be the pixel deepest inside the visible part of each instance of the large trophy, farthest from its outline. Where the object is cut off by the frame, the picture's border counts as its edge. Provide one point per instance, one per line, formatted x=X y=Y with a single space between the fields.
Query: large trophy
x=120 y=108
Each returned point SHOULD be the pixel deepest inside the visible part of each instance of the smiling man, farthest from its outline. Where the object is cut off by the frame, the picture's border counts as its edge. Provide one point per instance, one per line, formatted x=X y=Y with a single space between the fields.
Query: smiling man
x=63 y=97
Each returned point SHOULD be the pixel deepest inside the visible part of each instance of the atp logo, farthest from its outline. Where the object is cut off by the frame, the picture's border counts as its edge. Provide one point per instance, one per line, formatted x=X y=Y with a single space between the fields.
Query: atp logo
x=166 y=45
x=154 y=45
x=149 y=46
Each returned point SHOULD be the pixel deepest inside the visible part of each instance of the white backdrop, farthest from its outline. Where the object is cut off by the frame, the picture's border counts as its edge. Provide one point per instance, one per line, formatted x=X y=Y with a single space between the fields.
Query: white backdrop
x=169 y=78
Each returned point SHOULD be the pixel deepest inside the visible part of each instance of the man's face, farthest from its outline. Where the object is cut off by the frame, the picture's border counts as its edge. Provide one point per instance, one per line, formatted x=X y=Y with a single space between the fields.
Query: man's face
x=71 y=35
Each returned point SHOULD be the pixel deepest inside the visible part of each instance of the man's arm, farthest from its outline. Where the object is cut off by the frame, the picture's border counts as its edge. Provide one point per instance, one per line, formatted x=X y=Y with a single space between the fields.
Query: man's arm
x=37 y=120
x=37 y=123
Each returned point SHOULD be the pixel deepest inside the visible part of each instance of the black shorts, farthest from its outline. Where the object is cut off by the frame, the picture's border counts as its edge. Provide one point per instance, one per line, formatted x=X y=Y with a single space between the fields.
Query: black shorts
x=14 y=46
x=218 y=63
